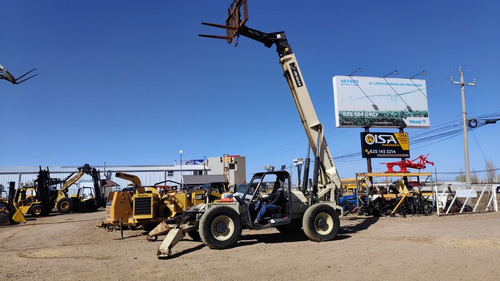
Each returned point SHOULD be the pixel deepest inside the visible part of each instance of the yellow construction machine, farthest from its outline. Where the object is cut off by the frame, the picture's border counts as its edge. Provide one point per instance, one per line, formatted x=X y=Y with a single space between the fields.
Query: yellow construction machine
x=40 y=198
x=8 y=211
x=36 y=199
x=147 y=206
x=143 y=206
x=82 y=201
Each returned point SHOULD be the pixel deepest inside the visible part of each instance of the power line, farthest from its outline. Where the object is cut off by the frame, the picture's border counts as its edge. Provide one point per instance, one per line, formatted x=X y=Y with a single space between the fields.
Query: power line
x=480 y=171
x=428 y=137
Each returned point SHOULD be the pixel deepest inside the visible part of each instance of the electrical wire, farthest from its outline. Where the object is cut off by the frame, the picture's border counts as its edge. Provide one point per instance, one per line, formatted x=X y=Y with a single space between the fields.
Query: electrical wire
x=426 y=138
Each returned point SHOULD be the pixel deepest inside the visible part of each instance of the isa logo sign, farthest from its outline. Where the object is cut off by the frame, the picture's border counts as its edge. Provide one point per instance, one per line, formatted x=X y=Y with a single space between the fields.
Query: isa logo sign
x=385 y=145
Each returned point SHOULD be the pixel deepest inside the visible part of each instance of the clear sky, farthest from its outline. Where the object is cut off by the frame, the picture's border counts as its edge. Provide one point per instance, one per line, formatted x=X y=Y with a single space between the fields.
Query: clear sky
x=131 y=83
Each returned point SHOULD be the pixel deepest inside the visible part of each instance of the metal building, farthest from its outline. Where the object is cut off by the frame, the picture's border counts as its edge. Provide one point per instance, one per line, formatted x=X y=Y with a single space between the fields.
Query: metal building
x=148 y=174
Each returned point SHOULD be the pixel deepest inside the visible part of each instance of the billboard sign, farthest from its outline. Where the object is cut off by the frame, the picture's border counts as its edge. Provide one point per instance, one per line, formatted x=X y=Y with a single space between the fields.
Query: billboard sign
x=385 y=145
x=193 y=162
x=380 y=102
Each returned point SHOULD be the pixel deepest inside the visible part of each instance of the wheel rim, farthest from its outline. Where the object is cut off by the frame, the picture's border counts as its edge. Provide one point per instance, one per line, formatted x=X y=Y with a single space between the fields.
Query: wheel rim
x=323 y=223
x=222 y=228
x=64 y=205
x=37 y=211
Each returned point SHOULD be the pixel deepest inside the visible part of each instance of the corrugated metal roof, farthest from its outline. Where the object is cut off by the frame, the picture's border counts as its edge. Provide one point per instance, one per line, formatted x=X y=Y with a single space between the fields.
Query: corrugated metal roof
x=69 y=169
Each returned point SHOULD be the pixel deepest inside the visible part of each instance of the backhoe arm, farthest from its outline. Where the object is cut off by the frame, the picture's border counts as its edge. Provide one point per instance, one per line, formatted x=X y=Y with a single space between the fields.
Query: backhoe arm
x=64 y=189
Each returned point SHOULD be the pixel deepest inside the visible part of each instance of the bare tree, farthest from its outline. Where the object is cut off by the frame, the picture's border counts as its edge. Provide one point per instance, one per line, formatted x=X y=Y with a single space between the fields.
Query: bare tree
x=473 y=177
x=490 y=171
x=461 y=176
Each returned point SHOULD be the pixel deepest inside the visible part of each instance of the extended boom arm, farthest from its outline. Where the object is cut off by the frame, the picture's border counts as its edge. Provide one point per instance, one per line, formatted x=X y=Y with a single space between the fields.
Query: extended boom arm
x=328 y=179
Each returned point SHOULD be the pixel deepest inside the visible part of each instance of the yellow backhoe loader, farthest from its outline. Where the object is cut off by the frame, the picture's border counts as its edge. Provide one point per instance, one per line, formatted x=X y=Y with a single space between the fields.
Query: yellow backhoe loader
x=81 y=201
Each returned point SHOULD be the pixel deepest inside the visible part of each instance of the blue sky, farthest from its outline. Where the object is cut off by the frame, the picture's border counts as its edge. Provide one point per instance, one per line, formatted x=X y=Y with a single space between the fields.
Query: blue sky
x=130 y=82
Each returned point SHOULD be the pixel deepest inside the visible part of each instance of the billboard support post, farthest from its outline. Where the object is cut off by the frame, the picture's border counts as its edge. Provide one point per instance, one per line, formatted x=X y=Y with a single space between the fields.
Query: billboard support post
x=402 y=130
x=368 y=159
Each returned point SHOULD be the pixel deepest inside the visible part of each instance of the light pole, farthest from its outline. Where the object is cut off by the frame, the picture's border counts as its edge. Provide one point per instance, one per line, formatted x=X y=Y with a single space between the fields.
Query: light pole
x=423 y=72
x=182 y=182
x=393 y=72
x=375 y=107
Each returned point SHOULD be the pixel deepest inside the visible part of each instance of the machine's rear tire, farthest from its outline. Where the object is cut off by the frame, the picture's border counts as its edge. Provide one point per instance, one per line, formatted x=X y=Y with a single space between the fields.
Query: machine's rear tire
x=37 y=210
x=220 y=228
x=64 y=205
x=321 y=222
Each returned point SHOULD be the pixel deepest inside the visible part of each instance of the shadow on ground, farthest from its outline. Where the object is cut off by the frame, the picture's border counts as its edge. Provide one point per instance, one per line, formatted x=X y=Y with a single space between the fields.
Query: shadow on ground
x=356 y=224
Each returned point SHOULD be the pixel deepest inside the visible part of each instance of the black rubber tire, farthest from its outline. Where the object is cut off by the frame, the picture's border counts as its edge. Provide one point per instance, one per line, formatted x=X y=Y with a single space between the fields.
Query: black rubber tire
x=195 y=235
x=428 y=208
x=37 y=210
x=46 y=211
x=320 y=222
x=293 y=227
x=65 y=205
x=220 y=228
x=89 y=206
x=4 y=218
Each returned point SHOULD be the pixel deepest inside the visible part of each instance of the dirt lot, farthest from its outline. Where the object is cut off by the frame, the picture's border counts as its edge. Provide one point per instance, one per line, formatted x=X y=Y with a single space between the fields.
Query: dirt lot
x=71 y=247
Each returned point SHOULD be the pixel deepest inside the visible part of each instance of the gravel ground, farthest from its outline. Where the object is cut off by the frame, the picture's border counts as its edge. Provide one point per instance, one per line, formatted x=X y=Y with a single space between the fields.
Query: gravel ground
x=72 y=247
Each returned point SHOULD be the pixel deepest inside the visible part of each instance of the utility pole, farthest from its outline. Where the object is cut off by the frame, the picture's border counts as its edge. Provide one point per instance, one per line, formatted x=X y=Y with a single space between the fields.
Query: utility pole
x=464 y=123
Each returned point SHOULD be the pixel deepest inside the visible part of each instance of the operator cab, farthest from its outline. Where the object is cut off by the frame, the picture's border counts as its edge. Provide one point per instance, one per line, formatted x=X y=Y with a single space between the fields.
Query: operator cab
x=259 y=191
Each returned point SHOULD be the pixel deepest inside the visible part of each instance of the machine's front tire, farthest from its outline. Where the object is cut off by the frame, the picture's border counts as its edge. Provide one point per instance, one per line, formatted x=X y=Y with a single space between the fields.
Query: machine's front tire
x=65 y=205
x=320 y=222
x=37 y=210
x=220 y=228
